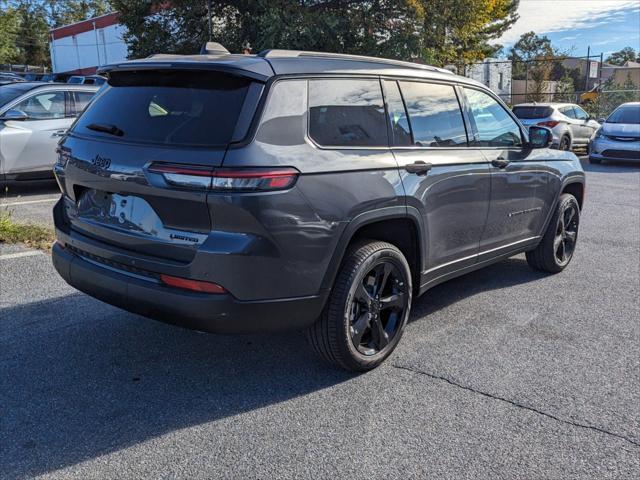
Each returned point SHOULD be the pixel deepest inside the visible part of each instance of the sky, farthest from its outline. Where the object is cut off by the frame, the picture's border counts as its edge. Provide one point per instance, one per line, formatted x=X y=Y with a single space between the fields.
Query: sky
x=573 y=25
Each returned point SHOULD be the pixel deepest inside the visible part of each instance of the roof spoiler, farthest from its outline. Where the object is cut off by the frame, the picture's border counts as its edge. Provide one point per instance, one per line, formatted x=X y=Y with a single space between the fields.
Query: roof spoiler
x=213 y=48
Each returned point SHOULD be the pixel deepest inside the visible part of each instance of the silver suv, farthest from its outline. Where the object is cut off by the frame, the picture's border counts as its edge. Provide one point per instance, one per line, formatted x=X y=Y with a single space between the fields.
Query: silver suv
x=570 y=124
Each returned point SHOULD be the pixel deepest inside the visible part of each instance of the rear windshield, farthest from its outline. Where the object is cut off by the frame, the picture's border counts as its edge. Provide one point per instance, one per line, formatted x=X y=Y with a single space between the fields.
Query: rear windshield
x=167 y=107
x=627 y=114
x=532 y=112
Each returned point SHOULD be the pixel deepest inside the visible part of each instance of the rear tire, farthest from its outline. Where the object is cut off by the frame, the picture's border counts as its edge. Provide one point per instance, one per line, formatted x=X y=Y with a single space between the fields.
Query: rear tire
x=565 y=143
x=556 y=248
x=366 y=314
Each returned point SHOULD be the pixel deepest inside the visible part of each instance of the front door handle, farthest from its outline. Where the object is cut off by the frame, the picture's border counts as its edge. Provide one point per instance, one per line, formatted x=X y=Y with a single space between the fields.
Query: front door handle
x=500 y=162
x=59 y=133
x=419 y=167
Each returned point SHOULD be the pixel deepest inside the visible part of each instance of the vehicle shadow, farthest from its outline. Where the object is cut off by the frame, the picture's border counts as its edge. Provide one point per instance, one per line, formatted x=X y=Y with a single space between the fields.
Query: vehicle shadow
x=505 y=274
x=80 y=379
x=27 y=188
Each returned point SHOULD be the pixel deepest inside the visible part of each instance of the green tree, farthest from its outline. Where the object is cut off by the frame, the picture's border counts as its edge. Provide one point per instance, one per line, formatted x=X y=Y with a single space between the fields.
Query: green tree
x=8 y=28
x=529 y=49
x=434 y=31
x=622 y=56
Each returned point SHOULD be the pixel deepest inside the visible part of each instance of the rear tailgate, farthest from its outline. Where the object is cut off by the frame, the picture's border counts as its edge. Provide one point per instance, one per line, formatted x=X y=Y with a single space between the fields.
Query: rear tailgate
x=142 y=121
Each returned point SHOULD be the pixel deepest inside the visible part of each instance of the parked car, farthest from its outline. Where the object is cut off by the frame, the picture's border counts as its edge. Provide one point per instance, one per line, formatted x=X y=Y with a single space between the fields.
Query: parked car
x=9 y=78
x=33 y=117
x=570 y=124
x=619 y=136
x=302 y=190
x=87 y=80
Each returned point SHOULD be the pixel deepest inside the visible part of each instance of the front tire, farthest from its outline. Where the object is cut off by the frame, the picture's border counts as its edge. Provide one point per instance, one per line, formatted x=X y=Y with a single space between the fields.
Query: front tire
x=366 y=314
x=555 y=251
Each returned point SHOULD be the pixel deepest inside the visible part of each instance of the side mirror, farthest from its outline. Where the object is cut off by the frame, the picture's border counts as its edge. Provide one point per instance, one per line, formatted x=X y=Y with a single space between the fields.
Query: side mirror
x=602 y=120
x=539 y=137
x=14 y=115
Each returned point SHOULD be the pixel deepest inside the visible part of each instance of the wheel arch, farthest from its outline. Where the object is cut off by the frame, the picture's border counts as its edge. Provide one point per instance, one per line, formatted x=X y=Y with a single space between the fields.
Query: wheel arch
x=401 y=226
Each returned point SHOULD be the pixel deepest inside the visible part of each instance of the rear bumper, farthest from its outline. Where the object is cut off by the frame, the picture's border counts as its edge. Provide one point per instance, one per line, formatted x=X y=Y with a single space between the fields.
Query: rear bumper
x=199 y=311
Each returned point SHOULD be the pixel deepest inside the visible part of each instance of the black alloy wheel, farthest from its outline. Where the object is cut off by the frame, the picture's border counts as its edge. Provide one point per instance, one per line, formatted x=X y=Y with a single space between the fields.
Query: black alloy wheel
x=377 y=308
x=556 y=249
x=368 y=308
x=564 y=242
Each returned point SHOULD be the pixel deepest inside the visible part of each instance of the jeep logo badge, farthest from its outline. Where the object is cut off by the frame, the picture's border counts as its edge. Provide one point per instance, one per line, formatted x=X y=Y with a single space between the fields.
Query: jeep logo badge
x=101 y=162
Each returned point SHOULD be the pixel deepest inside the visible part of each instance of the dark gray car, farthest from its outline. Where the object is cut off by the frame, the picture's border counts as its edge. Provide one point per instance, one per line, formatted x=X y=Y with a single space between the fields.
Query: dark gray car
x=284 y=190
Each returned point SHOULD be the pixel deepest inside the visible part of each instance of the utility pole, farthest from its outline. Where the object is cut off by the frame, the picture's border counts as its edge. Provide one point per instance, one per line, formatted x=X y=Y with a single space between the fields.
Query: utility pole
x=586 y=70
x=209 y=19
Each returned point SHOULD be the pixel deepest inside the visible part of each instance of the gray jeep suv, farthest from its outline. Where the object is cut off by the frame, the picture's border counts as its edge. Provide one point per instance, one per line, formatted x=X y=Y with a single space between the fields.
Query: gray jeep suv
x=296 y=190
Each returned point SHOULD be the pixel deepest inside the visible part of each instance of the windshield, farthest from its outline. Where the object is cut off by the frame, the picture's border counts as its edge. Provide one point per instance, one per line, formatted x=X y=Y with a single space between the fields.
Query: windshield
x=167 y=108
x=625 y=114
x=11 y=92
x=532 y=112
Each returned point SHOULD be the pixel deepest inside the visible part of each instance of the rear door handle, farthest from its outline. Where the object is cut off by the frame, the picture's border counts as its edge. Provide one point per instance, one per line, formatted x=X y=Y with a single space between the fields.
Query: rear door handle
x=500 y=162
x=419 y=167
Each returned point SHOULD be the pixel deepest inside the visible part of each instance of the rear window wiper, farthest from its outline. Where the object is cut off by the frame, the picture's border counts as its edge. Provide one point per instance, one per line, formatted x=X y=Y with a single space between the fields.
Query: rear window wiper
x=106 y=128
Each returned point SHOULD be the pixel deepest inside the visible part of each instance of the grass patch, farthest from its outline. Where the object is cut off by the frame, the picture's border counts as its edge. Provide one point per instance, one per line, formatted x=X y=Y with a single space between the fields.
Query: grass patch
x=35 y=236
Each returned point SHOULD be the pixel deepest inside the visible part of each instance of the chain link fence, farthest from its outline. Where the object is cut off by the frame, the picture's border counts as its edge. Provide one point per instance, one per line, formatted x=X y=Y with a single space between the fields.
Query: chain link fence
x=587 y=81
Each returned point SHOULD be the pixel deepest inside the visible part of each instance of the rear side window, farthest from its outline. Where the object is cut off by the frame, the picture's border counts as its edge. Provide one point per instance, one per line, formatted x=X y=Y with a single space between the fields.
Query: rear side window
x=398 y=119
x=494 y=126
x=81 y=99
x=532 y=112
x=435 y=115
x=347 y=113
x=167 y=108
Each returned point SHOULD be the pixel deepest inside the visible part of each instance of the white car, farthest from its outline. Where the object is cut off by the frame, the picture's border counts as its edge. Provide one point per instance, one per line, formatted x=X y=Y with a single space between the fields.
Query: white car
x=33 y=117
x=570 y=124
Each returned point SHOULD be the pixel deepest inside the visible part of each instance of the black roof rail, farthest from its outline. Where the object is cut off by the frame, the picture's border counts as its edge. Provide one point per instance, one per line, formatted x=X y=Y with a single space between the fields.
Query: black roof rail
x=275 y=53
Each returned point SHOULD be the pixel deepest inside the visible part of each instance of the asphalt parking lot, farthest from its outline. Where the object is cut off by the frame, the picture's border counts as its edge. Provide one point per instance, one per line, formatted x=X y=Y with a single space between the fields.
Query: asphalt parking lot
x=503 y=373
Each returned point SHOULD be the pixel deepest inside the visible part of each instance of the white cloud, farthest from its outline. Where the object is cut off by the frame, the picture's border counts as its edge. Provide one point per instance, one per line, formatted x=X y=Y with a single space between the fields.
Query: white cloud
x=545 y=16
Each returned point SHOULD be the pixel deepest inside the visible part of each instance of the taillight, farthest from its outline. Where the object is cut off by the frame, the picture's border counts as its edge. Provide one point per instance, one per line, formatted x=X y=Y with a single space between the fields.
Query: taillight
x=227 y=179
x=550 y=123
x=193 y=285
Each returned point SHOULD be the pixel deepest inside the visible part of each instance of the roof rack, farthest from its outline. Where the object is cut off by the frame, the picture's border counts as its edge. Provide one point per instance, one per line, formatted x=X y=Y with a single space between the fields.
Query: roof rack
x=275 y=53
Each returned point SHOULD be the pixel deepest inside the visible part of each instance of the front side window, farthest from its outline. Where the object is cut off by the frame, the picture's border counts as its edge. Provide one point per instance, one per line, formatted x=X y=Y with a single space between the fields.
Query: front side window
x=494 y=125
x=44 y=106
x=580 y=113
x=347 y=113
x=568 y=112
x=434 y=113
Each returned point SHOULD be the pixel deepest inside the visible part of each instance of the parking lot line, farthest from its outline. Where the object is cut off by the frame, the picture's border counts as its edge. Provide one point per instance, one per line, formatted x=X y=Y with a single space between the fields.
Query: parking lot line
x=29 y=253
x=28 y=202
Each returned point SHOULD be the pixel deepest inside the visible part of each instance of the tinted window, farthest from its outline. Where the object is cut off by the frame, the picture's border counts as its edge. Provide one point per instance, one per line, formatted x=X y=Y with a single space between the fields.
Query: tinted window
x=495 y=126
x=397 y=115
x=434 y=113
x=44 y=106
x=567 y=111
x=580 y=113
x=532 y=112
x=168 y=107
x=625 y=114
x=81 y=101
x=347 y=113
